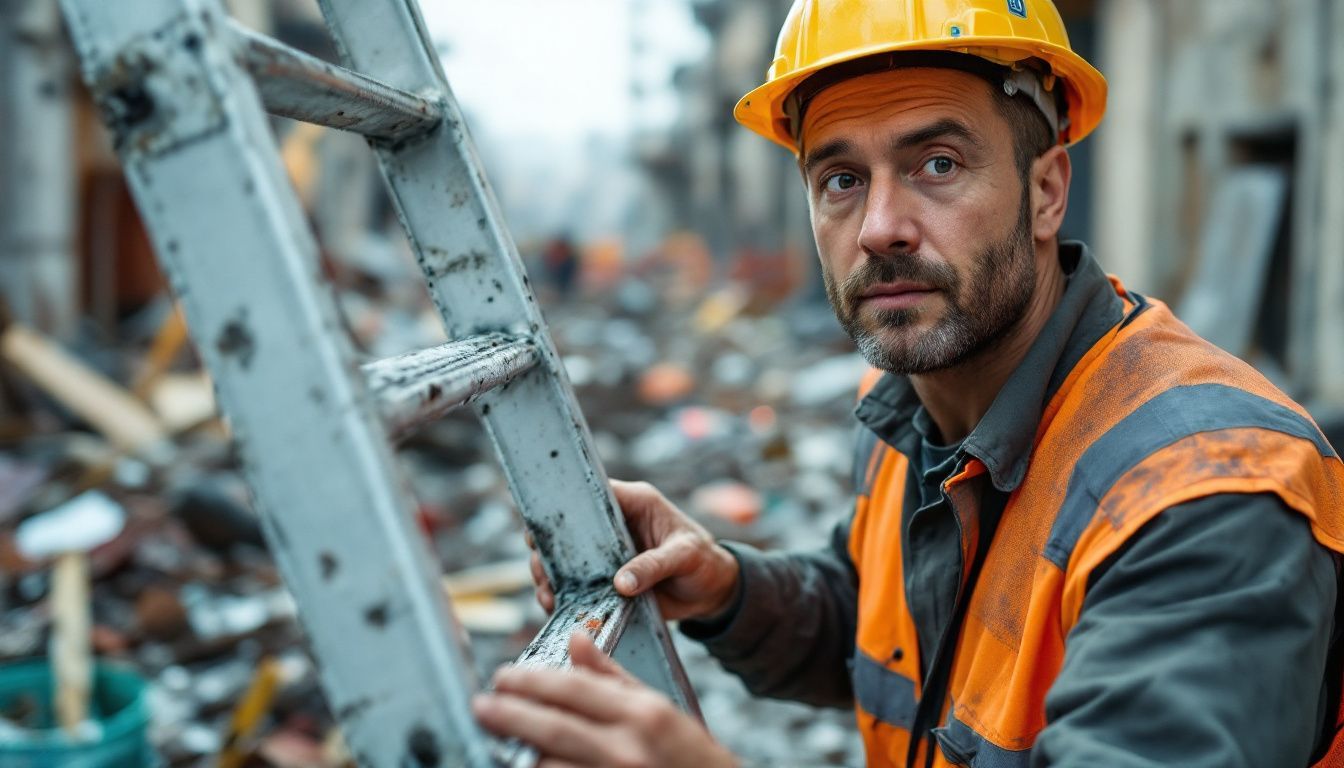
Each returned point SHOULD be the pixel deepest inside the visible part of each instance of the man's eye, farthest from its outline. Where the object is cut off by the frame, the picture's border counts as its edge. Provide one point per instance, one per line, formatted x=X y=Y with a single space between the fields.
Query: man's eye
x=841 y=182
x=940 y=166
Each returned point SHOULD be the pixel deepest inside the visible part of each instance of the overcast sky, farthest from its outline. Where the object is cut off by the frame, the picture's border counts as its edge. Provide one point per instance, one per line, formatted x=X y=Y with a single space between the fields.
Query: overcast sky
x=562 y=68
x=548 y=87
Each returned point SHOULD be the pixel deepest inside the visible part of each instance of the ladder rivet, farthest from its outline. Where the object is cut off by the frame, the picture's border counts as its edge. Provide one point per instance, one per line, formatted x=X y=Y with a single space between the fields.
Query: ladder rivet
x=423 y=747
x=377 y=615
x=132 y=105
x=329 y=565
x=236 y=340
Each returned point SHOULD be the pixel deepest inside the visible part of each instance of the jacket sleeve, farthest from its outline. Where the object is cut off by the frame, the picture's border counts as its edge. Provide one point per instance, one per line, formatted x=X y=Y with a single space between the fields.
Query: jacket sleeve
x=791 y=633
x=1202 y=643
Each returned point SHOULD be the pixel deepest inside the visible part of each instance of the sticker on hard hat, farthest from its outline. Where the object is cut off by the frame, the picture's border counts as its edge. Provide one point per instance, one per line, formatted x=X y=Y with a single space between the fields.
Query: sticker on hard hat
x=1018 y=8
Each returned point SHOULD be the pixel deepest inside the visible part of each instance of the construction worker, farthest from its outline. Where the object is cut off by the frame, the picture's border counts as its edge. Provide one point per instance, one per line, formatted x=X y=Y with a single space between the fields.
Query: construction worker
x=1083 y=535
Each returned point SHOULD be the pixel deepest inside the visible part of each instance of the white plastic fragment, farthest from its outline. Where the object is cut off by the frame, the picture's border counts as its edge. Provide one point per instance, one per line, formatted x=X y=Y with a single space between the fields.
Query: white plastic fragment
x=82 y=523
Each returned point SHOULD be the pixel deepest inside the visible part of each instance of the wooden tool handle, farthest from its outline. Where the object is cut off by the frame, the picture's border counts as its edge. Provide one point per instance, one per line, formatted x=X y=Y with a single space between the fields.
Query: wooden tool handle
x=70 y=654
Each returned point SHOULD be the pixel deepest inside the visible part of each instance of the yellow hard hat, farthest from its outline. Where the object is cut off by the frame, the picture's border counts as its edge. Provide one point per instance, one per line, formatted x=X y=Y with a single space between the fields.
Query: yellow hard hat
x=1018 y=34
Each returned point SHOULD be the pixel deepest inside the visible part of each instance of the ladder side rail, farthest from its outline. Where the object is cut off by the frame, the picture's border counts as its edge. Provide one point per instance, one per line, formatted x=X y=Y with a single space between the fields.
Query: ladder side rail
x=296 y=85
x=478 y=283
x=230 y=234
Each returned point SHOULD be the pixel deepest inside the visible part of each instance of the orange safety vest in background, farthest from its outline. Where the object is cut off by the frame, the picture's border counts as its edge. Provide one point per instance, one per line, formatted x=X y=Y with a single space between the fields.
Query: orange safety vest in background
x=1151 y=417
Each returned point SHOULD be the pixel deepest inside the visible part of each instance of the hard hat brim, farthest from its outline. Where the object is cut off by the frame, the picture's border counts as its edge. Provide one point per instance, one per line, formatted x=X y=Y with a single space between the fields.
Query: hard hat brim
x=762 y=110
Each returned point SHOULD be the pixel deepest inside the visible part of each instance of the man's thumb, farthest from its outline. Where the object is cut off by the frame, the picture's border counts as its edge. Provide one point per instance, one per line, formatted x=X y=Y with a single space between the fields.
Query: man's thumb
x=642 y=572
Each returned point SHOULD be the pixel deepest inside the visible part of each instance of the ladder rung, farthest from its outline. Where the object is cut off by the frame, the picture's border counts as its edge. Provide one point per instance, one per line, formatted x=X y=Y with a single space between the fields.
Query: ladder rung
x=419 y=386
x=597 y=610
x=296 y=85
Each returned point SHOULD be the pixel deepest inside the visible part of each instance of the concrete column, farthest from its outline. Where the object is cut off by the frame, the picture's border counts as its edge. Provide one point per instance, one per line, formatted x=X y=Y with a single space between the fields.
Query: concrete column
x=37 y=167
x=1124 y=207
x=1329 y=347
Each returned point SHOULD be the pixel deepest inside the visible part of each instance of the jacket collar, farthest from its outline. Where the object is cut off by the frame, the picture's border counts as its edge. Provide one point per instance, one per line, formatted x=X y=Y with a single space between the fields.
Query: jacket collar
x=1003 y=439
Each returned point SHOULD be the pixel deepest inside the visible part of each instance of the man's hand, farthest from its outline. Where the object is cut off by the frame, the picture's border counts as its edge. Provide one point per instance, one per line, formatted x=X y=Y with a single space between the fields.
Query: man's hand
x=691 y=575
x=595 y=714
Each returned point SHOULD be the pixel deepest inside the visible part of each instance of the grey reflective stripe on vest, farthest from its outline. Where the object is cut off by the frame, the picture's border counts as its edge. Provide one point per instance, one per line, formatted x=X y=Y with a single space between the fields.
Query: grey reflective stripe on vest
x=963 y=746
x=886 y=695
x=1162 y=421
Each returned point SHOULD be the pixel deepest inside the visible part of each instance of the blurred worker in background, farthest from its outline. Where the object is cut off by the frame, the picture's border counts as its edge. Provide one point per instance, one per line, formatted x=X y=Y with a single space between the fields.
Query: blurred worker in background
x=1083 y=536
x=560 y=260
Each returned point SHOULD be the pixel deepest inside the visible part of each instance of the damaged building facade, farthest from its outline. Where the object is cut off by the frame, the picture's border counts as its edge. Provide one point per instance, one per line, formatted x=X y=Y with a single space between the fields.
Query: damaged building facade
x=1210 y=179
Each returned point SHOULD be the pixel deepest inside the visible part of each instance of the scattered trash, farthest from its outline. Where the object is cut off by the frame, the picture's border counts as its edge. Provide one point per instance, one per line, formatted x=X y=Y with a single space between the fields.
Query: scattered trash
x=114 y=735
x=719 y=406
x=731 y=501
x=665 y=384
x=18 y=481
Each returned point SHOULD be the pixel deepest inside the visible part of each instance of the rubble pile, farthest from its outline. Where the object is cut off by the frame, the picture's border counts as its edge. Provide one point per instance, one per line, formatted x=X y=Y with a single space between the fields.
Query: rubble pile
x=741 y=416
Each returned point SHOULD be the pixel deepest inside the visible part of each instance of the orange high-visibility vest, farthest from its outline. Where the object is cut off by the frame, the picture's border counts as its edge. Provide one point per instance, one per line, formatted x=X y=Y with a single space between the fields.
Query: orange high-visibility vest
x=1151 y=417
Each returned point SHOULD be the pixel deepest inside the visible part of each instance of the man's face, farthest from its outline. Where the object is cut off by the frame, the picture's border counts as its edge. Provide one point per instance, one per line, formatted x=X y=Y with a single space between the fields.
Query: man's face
x=922 y=220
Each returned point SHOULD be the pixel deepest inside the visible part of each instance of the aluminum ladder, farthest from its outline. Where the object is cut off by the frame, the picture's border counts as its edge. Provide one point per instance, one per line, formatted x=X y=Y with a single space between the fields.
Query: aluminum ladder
x=185 y=91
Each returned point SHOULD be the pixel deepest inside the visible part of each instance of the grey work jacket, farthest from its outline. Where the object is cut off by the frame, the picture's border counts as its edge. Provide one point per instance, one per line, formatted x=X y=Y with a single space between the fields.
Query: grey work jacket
x=1202 y=643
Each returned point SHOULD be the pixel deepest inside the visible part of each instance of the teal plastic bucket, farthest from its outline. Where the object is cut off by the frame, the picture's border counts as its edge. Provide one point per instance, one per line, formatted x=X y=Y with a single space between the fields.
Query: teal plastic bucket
x=117 y=705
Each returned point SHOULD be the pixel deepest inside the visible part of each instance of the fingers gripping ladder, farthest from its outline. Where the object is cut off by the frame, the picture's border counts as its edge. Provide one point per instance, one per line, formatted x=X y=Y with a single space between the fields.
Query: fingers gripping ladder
x=185 y=91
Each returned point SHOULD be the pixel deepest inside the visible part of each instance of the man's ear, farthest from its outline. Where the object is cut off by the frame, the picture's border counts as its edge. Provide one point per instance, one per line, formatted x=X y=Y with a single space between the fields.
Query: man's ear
x=1050 y=176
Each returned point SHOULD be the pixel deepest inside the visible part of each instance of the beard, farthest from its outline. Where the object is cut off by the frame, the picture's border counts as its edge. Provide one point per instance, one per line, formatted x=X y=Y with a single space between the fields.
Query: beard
x=981 y=309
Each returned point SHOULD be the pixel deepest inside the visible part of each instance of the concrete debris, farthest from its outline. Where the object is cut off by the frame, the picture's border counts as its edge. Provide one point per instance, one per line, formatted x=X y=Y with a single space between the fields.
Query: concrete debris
x=739 y=413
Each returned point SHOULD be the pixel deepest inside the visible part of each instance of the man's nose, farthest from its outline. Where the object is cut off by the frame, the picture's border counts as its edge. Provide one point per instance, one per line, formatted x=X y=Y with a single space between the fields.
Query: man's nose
x=889 y=225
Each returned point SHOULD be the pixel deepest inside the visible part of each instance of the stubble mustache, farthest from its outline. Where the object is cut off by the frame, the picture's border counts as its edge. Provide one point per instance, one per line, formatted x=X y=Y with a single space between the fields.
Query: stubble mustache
x=880 y=270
